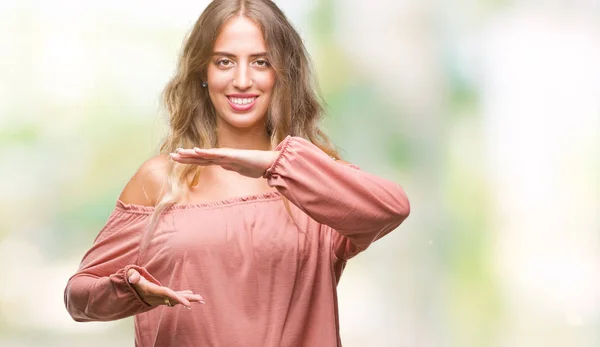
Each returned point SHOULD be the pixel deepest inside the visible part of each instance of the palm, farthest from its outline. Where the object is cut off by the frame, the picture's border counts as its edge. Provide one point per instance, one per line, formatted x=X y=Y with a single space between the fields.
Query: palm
x=251 y=163
x=155 y=295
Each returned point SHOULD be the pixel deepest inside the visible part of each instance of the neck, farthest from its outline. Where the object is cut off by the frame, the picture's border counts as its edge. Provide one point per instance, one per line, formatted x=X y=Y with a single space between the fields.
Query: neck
x=250 y=138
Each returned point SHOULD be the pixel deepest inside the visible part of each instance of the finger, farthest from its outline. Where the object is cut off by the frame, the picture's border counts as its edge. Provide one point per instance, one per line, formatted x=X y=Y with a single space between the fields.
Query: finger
x=195 y=152
x=184 y=292
x=194 y=161
x=212 y=152
x=194 y=298
x=178 y=157
x=191 y=159
x=133 y=276
x=186 y=152
x=174 y=297
x=189 y=156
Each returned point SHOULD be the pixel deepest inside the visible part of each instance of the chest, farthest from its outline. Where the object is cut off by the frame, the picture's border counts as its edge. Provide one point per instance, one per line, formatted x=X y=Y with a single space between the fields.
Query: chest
x=234 y=237
x=217 y=185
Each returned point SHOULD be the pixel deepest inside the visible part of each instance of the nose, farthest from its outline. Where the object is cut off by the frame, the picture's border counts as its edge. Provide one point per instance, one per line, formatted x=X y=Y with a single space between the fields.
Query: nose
x=242 y=79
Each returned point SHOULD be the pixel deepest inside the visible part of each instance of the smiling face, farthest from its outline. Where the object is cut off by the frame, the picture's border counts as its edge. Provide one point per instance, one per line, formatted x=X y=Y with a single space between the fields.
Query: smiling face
x=239 y=76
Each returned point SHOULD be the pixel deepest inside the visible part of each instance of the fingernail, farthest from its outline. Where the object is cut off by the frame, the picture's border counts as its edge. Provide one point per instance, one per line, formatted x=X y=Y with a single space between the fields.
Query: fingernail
x=196 y=149
x=202 y=302
x=178 y=149
x=188 y=307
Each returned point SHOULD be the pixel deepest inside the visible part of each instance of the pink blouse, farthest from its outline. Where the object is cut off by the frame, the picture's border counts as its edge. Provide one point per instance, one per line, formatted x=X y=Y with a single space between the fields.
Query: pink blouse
x=269 y=278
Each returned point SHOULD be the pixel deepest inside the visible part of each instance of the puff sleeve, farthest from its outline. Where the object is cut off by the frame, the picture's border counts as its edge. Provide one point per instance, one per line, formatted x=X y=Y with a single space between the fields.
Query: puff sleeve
x=99 y=290
x=359 y=206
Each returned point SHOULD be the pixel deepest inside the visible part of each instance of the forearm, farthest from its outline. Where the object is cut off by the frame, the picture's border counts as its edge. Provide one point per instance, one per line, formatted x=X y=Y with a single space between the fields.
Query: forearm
x=91 y=298
x=354 y=203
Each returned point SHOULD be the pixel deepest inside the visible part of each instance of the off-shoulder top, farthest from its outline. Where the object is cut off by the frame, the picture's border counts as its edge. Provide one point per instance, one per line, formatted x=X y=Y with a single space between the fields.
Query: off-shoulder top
x=268 y=275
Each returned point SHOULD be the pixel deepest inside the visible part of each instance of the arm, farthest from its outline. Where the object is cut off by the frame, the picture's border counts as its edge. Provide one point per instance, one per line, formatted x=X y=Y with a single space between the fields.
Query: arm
x=99 y=291
x=358 y=205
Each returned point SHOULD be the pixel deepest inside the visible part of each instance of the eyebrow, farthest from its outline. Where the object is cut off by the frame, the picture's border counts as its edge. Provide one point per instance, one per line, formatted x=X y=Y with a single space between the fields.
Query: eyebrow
x=231 y=55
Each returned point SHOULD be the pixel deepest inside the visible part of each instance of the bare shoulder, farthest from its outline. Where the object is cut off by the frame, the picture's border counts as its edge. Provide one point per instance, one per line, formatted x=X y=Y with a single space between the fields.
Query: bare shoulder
x=148 y=184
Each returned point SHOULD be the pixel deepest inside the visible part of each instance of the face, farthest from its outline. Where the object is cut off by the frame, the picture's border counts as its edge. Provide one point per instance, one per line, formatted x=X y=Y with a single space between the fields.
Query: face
x=240 y=78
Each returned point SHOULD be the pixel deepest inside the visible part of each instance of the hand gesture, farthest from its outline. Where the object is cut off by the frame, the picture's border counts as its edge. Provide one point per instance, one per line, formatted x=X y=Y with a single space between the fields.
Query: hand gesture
x=247 y=162
x=155 y=295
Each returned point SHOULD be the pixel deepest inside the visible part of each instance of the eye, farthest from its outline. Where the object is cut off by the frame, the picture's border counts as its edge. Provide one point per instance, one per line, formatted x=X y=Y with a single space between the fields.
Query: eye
x=224 y=62
x=262 y=63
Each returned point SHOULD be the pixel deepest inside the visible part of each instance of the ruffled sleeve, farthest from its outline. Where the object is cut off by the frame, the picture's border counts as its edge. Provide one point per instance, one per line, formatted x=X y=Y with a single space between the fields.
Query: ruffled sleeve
x=99 y=291
x=359 y=206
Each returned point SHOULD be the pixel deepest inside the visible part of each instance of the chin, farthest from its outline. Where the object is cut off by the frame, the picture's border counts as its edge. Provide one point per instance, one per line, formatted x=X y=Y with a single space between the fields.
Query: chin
x=243 y=121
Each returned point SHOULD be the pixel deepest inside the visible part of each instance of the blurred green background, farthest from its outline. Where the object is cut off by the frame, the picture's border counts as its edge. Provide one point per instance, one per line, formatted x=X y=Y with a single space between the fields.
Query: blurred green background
x=486 y=112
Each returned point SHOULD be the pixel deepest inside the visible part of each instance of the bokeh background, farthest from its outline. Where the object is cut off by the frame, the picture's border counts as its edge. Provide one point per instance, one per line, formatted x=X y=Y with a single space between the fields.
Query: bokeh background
x=487 y=112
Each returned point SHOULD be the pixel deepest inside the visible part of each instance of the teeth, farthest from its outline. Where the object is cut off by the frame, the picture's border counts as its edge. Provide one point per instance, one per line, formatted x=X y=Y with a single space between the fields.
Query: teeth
x=242 y=101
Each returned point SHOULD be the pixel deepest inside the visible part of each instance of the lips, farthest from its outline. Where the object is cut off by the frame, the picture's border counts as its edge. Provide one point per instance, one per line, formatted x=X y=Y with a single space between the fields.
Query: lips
x=242 y=103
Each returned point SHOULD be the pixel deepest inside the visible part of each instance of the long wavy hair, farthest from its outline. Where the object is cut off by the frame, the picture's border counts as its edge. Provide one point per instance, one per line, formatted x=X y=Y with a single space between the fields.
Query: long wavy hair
x=295 y=108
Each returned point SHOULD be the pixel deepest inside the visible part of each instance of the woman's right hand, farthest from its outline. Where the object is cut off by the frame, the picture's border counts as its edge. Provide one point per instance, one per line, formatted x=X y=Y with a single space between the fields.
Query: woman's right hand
x=155 y=295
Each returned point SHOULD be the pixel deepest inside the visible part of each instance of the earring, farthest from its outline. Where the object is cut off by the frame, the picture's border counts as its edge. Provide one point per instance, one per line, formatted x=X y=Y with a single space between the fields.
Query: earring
x=204 y=84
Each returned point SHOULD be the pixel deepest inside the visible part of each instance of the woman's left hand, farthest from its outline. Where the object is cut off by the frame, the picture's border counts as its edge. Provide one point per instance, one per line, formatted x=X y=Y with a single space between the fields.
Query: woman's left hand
x=247 y=162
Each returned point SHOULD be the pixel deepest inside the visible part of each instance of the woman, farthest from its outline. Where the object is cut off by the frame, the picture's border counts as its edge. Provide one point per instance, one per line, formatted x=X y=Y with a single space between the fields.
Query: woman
x=210 y=227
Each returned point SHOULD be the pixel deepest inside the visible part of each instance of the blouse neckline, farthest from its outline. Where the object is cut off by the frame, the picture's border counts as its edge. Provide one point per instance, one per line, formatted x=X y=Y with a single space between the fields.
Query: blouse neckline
x=274 y=195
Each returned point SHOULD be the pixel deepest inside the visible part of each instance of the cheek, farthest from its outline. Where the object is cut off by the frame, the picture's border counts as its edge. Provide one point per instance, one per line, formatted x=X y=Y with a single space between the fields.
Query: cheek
x=266 y=82
x=217 y=79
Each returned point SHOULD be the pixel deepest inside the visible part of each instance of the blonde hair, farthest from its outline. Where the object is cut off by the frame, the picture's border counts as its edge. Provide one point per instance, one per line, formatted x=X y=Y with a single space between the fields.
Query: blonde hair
x=295 y=108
